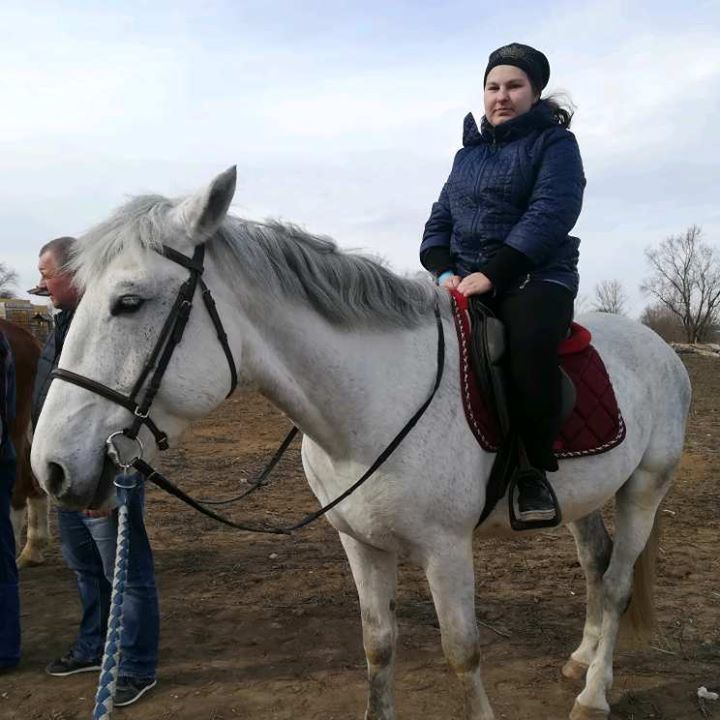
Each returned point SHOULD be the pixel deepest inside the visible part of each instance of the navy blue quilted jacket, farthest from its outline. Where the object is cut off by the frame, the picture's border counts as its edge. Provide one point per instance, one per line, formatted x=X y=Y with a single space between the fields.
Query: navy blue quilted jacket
x=48 y=361
x=519 y=183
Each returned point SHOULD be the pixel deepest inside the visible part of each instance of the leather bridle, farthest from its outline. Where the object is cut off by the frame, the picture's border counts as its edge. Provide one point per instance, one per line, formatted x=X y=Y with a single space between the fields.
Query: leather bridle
x=159 y=359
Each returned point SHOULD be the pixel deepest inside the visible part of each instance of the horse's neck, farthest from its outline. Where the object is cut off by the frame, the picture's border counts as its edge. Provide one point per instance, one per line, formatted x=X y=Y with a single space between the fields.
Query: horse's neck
x=340 y=386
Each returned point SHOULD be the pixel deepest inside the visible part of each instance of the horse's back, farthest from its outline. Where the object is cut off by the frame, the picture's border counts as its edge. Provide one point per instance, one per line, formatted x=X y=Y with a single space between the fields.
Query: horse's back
x=649 y=379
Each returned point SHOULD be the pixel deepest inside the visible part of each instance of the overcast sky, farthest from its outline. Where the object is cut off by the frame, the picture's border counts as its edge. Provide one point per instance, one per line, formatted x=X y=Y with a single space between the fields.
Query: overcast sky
x=345 y=116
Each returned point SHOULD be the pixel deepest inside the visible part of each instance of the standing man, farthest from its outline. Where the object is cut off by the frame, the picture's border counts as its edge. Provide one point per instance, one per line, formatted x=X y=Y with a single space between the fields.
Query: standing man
x=9 y=595
x=88 y=538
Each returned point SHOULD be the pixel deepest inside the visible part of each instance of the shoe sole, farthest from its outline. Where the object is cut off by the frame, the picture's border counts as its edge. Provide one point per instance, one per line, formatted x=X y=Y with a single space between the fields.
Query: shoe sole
x=92 y=668
x=137 y=697
x=536 y=515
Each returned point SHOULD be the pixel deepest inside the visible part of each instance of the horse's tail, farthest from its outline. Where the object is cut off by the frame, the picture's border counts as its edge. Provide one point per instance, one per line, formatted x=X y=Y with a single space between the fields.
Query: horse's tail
x=639 y=621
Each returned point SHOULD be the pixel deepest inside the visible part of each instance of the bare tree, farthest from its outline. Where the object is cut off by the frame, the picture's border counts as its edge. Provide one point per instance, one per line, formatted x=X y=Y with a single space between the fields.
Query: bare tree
x=582 y=304
x=664 y=322
x=8 y=278
x=685 y=279
x=610 y=297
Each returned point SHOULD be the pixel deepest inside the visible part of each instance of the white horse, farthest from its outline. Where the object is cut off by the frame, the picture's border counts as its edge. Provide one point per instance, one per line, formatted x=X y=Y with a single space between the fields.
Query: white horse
x=348 y=350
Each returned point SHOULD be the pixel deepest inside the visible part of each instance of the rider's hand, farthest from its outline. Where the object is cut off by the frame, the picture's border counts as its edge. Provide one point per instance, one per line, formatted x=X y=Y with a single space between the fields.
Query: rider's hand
x=452 y=282
x=475 y=284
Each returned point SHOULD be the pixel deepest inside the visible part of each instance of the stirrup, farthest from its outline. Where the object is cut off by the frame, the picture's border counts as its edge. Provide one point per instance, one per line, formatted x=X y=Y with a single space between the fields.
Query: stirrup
x=515 y=522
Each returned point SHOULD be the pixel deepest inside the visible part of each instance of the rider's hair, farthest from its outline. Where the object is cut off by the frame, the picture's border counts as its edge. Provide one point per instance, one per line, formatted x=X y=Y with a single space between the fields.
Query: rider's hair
x=562 y=107
x=60 y=248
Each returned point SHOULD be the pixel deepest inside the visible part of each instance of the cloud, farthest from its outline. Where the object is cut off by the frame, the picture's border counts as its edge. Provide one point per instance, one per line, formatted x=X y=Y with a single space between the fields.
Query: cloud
x=345 y=117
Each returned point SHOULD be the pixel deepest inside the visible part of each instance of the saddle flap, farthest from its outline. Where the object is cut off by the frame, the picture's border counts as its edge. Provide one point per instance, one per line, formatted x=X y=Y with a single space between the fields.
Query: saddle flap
x=487 y=349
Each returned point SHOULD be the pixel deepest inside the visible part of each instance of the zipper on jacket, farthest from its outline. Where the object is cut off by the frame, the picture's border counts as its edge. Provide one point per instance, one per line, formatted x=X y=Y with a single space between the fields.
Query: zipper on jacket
x=493 y=147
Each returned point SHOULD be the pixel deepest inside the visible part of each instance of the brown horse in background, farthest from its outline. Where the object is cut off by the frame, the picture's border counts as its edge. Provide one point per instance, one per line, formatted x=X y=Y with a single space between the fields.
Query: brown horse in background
x=27 y=492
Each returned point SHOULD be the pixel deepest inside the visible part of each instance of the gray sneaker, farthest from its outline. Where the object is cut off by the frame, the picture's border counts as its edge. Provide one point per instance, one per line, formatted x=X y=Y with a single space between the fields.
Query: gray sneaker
x=70 y=665
x=130 y=689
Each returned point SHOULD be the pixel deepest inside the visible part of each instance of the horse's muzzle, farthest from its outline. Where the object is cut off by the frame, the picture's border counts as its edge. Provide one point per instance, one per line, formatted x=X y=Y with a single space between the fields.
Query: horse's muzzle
x=69 y=495
x=56 y=483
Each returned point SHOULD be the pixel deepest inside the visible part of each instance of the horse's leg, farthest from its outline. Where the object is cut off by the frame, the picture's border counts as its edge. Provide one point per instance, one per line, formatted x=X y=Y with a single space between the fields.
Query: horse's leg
x=17 y=517
x=21 y=488
x=375 y=574
x=594 y=547
x=38 y=528
x=38 y=531
x=636 y=505
x=451 y=576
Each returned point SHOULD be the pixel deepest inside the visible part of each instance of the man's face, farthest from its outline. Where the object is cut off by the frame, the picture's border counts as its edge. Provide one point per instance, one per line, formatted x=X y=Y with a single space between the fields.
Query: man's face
x=63 y=294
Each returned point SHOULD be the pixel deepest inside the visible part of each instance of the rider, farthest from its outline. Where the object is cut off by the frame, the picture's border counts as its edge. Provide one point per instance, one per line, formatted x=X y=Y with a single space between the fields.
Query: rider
x=500 y=229
x=88 y=538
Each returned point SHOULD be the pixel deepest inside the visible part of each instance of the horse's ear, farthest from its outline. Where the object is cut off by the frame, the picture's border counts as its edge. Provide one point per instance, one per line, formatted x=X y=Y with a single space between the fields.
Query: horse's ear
x=201 y=214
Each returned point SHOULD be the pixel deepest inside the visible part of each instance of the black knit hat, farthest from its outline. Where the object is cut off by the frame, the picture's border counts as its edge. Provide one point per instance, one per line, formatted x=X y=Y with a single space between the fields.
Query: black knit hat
x=528 y=59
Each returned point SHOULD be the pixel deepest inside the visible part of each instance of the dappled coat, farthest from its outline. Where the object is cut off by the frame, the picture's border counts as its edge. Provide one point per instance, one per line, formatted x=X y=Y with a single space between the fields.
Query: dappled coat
x=519 y=183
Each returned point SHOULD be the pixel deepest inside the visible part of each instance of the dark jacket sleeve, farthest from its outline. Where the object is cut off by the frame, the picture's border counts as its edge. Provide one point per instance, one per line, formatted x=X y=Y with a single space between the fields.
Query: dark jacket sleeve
x=46 y=364
x=439 y=225
x=437 y=259
x=555 y=200
x=48 y=361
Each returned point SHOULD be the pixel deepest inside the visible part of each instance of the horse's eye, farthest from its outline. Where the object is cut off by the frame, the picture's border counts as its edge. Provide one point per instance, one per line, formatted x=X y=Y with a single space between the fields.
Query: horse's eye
x=126 y=305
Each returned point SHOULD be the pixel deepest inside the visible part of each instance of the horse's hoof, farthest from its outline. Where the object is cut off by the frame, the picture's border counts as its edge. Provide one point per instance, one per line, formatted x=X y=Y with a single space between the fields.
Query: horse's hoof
x=574 y=670
x=580 y=712
x=28 y=560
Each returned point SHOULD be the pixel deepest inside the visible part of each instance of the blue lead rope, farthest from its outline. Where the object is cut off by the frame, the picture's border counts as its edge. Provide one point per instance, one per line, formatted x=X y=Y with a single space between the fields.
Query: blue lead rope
x=111 y=656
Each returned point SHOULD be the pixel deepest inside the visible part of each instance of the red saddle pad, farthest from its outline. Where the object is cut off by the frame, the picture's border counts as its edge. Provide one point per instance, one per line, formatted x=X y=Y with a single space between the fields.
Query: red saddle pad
x=594 y=426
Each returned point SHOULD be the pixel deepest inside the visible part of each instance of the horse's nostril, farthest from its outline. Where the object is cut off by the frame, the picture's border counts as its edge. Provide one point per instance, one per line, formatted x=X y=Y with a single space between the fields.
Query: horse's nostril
x=56 y=479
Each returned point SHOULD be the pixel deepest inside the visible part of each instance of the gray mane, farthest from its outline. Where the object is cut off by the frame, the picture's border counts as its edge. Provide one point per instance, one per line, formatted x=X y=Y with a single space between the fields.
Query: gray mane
x=281 y=259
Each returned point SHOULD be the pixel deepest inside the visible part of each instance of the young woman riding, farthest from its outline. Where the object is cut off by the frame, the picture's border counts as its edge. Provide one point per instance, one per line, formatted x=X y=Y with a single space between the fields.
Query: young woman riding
x=500 y=229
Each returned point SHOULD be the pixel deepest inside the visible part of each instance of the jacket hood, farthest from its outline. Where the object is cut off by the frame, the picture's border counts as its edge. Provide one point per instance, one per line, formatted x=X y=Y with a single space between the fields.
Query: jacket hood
x=539 y=117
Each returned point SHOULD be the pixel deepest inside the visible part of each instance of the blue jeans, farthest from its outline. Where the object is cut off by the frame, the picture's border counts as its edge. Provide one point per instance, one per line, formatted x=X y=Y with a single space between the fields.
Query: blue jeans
x=9 y=596
x=88 y=546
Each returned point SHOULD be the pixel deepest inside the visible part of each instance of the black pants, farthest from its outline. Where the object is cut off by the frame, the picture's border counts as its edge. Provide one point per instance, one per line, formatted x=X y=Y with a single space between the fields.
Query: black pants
x=536 y=319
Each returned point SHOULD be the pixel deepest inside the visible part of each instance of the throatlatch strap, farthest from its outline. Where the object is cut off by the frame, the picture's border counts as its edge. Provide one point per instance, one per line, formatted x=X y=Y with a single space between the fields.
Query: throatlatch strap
x=222 y=335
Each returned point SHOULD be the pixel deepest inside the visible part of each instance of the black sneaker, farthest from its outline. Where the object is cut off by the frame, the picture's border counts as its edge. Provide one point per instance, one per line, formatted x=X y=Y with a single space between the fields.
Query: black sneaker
x=70 y=665
x=130 y=689
x=535 y=503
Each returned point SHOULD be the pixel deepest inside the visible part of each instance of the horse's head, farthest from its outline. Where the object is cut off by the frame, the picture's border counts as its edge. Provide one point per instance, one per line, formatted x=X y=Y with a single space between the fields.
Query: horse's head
x=129 y=288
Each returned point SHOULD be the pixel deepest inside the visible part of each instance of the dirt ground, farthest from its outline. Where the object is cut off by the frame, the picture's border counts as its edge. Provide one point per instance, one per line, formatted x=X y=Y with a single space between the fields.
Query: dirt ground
x=268 y=627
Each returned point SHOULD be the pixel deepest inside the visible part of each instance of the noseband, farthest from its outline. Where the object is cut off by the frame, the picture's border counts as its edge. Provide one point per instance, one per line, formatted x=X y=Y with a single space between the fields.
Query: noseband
x=159 y=359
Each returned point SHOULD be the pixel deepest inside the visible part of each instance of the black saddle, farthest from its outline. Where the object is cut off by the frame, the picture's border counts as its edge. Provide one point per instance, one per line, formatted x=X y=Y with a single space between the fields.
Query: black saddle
x=487 y=354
